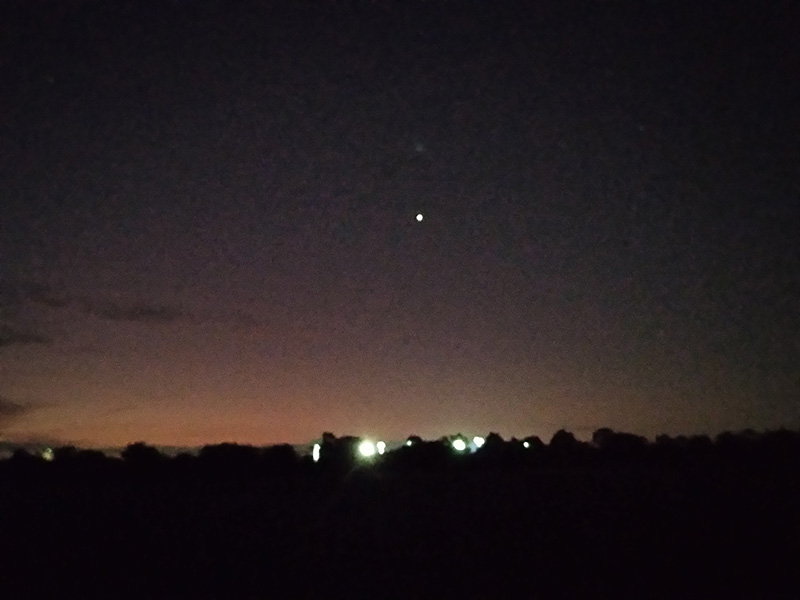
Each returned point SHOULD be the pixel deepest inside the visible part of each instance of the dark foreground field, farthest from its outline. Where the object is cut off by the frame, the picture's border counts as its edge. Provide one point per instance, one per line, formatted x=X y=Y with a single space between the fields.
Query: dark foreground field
x=549 y=532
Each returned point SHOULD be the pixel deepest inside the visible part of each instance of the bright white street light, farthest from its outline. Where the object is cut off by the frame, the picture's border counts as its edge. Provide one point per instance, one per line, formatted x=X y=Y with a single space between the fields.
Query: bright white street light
x=381 y=446
x=478 y=441
x=366 y=449
x=315 y=452
x=419 y=217
x=459 y=445
x=526 y=444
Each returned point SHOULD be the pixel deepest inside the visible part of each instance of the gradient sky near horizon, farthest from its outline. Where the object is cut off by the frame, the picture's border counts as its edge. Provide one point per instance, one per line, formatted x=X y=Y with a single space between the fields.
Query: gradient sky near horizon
x=208 y=232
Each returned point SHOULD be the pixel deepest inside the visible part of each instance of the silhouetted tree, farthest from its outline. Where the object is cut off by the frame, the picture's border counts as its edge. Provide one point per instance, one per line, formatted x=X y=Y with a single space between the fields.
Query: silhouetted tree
x=563 y=440
x=229 y=459
x=735 y=446
x=565 y=447
x=601 y=436
x=699 y=445
x=781 y=449
x=619 y=445
x=338 y=455
x=495 y=453
x=420 y=455
x=64 y=454
x=494 y=440
x=22 y=456
x=140 y=455
x=279 y=459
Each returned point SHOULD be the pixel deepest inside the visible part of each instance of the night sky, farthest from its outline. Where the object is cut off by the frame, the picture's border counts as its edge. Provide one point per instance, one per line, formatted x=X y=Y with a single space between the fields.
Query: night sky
x=208 y=218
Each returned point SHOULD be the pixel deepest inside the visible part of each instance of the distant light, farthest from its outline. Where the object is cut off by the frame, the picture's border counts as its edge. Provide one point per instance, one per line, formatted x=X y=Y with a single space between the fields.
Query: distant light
x=48 y=454
x=366 y=449
x=419 y=217
x=478 y=441
x=381 y=446
x=409 y=443
x=315 y=452
x=526 y=444
x=459 y=445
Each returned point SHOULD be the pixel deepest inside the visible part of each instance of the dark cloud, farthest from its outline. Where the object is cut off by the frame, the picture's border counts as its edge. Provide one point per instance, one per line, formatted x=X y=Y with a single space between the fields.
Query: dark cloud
x=44 y=294
x=17 y=326
x=139 y=313
x=11 y=335
x=14 y=294
x=10 y=411
x=159 y=313
x=10 y=299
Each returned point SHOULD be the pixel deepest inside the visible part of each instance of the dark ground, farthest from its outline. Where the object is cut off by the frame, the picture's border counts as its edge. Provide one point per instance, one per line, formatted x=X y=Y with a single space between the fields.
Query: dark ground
x=609 y=531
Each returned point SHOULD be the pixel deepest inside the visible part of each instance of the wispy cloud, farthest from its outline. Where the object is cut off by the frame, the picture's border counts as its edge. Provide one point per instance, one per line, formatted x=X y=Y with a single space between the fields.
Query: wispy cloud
x=17 y=326
x=141 y=313
x=10 y=335
x=39 y=293
x=10 y=411
x=16 y=293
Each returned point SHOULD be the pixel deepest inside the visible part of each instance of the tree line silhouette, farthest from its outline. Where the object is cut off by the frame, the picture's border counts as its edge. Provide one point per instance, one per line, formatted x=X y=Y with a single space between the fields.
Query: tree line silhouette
x=340 y=455
x=616 y=516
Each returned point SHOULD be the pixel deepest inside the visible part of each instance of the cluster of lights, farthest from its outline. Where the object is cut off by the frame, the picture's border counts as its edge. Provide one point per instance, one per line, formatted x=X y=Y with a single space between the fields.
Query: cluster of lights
x=368 y=449
x=461 y=445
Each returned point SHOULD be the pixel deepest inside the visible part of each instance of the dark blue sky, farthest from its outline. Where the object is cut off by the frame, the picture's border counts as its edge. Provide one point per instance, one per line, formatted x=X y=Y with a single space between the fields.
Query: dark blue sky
x=207 y=218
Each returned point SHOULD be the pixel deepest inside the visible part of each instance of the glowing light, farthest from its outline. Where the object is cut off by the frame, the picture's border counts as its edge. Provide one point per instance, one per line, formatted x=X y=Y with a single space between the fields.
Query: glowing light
x=478 y=441
x=419 y=217
x=381 y=446
x=47 y=454
x=315 y=452
x=459 y=445
x=366 y=449
x=526 y=444
x=409 y=443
